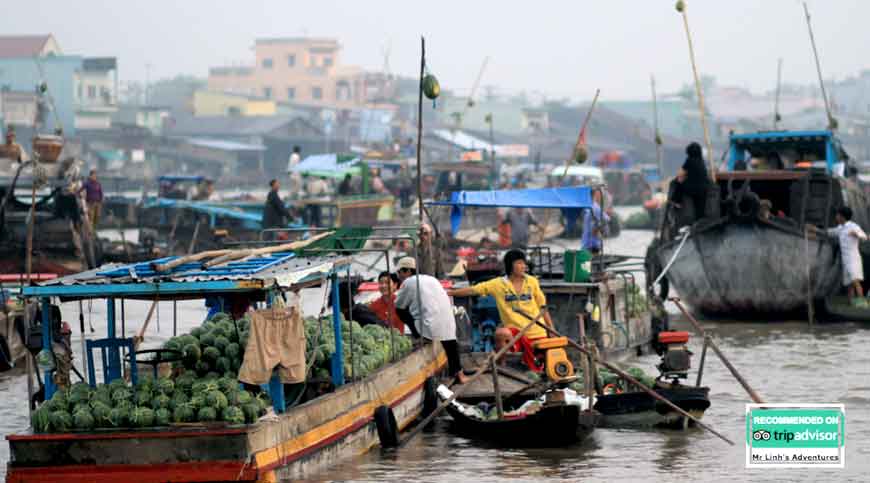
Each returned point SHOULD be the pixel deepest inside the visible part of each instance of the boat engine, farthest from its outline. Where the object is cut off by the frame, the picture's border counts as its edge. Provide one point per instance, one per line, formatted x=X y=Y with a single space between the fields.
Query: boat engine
x=676 y=356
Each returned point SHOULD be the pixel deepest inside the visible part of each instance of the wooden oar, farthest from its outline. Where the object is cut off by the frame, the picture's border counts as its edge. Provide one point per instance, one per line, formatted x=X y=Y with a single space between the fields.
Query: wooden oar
x=752 y=394
x=141 y=335
x=627 y=377
x=459 y=390
x=242 y=254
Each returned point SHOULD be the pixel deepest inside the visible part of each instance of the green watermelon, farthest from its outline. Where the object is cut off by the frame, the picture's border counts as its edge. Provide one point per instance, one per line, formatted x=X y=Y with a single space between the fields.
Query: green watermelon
x=222 y=365
x=121 y=394
x=207 y=339
x=190 y=354
x=160 y=401
x=143 y=397
x=251 y=412
x=142 y=417
x=42 y=419
x=165 y=386
x=61 y=421
x=226 y=384
x=119 y=417
x=431 y=87
x=162 y=417
x=178 y=399
x=197 y=332
x=206 y=414
x=186 y=413
x=197 y=402
x=233 y=350
x=202 y=368
x=233 y=415
x=217 y=400
x=211 y=354
x=100 y=412
x=221 y=342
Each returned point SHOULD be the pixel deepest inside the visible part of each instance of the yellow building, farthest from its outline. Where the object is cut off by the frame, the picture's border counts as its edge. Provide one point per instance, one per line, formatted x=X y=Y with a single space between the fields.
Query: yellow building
x=211 y=103
x=299 y=70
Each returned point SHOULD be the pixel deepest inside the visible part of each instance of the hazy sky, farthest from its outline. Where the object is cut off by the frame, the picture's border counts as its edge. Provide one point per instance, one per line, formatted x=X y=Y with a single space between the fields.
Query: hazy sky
x=561 y=48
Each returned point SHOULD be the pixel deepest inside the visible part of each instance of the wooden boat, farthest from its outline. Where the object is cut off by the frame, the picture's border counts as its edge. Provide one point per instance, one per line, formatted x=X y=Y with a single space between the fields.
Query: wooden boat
x=639 y=409
x=749 y=256
x=555 y=418
x=294 y=443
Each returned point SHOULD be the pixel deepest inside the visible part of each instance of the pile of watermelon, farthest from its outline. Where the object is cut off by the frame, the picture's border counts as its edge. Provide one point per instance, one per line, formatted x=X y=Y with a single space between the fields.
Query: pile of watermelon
x=366 y=349
x=151 y=403
x=214 y=349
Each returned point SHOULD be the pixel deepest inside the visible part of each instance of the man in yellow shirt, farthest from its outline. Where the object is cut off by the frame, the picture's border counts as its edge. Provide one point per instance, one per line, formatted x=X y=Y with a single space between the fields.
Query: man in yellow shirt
x=515 y=290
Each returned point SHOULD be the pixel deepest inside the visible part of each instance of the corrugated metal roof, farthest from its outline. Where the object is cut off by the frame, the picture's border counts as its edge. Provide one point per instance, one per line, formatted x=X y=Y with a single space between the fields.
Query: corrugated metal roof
x=282 y=265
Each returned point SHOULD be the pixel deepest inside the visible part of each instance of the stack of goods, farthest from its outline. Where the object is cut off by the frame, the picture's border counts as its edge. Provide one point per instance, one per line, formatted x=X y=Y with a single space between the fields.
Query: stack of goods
x=214 y=349
x=151 y=403
x=365 y=348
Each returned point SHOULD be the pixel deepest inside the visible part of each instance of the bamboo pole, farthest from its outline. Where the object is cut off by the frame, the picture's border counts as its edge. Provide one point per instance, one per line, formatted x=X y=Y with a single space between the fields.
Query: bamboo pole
x=498 y=402
x=165 y=267
x=628 y=377
x=657 y=138
x=140 y=336
x=480 y=371
x=681 y=7
x=752 y=394
x=243 y=254
x=832 y=123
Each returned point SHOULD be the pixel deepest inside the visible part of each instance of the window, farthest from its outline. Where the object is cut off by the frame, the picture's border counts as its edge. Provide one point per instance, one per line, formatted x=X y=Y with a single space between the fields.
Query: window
x=291 y=93
x=267 y=92
x=267 y=63
x=291 y=60
x=92 y=92
x=327 y=61
x=317 y=92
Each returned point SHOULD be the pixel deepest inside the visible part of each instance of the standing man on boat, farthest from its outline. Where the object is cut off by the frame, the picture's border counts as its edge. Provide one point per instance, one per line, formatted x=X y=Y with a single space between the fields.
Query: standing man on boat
x=427 y=311
x=93 y=198
x=275 y=214
x=850 y=234
x=430 y=252
x=515 y=290
x=317 y=189
x=595 y=222
x=692 y=180
x=519 y=220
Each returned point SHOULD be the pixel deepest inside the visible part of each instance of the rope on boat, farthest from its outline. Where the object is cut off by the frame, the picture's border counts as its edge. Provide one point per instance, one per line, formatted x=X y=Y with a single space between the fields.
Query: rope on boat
x=673 y=258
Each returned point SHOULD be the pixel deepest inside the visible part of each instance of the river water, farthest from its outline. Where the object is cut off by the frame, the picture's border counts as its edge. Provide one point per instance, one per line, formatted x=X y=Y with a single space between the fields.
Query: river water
x=788 y=362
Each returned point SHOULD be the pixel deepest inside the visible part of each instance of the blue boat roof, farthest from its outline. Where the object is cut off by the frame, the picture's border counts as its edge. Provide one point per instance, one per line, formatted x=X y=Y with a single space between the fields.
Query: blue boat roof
x=191 y=280
x=563 y=197
x=202 y=207
x=781 y=135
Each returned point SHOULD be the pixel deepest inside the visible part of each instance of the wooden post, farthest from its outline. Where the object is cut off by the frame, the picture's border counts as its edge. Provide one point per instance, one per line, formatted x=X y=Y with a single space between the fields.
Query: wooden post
x=587 y=361
x=498 y=403
x=194 y=237
x=701 y=366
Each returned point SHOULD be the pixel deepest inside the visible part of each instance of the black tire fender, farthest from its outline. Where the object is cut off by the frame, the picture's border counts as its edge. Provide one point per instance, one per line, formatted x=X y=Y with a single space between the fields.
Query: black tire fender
x=388 y=428
x=430 y=396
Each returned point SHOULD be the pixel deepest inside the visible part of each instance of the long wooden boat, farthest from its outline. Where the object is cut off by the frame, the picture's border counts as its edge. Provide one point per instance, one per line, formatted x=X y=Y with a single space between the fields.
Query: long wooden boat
x=294 y=443
x=298 y=443
x=748 y=255
x=639 y=409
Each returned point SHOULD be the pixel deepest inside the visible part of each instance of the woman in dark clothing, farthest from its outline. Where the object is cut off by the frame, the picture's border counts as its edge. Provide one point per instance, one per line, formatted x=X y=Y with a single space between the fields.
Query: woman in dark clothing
x=693 y=181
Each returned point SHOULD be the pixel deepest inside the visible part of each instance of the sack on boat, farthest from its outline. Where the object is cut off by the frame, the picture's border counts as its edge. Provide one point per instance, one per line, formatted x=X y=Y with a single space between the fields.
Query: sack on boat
x=277 y=339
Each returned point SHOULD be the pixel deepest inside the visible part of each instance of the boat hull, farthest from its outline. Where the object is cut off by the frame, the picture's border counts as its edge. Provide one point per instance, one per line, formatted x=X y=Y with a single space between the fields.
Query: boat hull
x=551 y=426
x=750 y=270
x=296 y=444
x=639 y=409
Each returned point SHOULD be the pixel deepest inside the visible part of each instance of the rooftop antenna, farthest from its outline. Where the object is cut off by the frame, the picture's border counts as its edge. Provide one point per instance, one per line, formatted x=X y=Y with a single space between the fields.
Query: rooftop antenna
x=832 y=123
x=776 y=116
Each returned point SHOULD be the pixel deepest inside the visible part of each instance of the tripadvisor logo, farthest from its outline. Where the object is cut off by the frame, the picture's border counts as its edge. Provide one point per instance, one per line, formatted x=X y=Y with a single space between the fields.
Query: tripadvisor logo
x=790 y=435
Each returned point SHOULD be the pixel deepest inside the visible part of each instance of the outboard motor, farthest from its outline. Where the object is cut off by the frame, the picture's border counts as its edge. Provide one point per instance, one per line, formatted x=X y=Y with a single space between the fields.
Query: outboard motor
x=676 y=356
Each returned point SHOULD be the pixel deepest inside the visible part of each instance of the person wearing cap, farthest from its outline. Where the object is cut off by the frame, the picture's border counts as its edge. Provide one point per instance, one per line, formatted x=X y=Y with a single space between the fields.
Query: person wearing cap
x=428 y=311
x=515 y=290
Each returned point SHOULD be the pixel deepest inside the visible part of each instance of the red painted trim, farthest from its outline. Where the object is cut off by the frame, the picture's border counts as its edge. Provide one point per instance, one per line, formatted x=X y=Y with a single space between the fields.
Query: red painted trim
x=20 y=277
x=160 y=473
x=127 y=435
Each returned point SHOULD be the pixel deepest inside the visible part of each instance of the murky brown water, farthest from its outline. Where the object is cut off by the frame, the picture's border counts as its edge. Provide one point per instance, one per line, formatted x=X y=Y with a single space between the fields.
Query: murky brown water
x=785 y=362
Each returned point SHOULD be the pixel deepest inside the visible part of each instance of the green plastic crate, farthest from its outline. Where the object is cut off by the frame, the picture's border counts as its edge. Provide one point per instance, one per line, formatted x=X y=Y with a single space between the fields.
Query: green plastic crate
x=577 y=265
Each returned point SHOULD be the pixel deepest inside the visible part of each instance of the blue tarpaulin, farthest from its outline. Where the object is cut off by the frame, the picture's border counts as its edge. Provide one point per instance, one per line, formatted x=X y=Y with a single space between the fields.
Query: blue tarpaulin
x=570 y=200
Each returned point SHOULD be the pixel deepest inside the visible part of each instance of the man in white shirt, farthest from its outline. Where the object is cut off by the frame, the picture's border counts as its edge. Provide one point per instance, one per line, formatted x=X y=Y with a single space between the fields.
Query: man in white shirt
x=849 y=235
x=295 y=178
x=429 y=312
